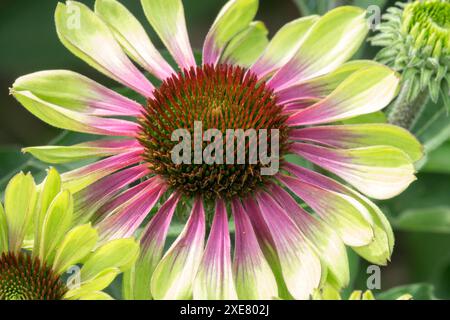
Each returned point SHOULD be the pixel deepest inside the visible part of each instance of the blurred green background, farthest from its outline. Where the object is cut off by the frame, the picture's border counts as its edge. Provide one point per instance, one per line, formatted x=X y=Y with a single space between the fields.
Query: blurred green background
x=28 y=43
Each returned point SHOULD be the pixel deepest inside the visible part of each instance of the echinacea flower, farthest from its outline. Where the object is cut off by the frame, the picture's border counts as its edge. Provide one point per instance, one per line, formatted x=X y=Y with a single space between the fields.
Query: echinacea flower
x=415 y=37
x=60 y=250
x=299 y=83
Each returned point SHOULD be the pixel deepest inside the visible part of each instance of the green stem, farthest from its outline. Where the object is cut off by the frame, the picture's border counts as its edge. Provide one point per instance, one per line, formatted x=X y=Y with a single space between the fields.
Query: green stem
x=404 y=113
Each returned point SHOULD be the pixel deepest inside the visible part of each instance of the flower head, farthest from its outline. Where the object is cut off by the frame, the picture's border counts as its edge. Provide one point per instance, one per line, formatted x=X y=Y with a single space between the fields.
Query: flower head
x=46 y=213
x=416 y=41
x=298 y=84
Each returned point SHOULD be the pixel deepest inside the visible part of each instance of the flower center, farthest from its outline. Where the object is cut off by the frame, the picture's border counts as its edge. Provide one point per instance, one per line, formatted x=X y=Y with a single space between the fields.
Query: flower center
x=215 y=163
x=25 y=278
x=428 y=22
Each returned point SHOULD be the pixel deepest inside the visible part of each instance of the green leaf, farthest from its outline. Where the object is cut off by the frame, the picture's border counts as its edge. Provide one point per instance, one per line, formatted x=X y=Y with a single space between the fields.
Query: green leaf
x=435 y=220
x=419 y=291
x=438 y=160
x=433 y=126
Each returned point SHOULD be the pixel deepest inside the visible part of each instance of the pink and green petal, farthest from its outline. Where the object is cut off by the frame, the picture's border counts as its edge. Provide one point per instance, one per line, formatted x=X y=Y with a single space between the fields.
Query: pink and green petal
x=234 y=18
x=78 y=179
x=20 y=206
x=124 y=197
x=73 y=91
x=381 y=172
x=247 y=46
x=124 y=220
x=63 y=118
x=380 y=249
x=348 y=217
x=330 y=247
x=300 y=265
x=167 y=19
x=283 y=46
x=333 y=40
x=253 y=276
x=90 y=199
x=365 y=91
x=136 y=283
x=82 y=151
x=361 y=136
x=174 y=276
x=132 y=37
x=267 y=244
x=321 y=87
x=214 y=280
x=89 y=38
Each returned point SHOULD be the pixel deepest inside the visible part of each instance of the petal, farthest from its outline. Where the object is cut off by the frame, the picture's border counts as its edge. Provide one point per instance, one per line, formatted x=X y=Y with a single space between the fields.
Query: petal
x=55 y=225
x=300 y=265
x=3 y=231
x=64 y=118
x=247 y=46
x=253 y=276
x=167 y=19
x=89 y=38
x=365 y=91
x=80 y=178
x=214 y=280
x=20 y=202
x=283 y=46
x=341 y=212
x=124 y=220
x=120 y=254
x=136 y=283
x=380 y=249
x=82 y=151
x=99 y=282
x=174 y=276
x=73 y=91
x=96 y=296
x=321 y=87
x=132 y=37
x=75 y=246
x=49 y=189
x=234 y=17
x=326 y=241
x=267 y=244
x=361 y=136
x=90 y=199
x=381 y=172
x=331 y=41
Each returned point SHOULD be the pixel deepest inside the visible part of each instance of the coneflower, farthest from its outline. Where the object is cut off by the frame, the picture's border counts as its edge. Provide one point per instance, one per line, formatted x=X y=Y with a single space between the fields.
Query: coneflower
x=64 y=261
x=298 y=87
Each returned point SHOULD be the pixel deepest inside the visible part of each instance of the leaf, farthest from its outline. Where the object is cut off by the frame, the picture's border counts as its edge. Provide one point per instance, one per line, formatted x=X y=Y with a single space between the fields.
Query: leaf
x=433 y=126
x=435 y=220
x=419 y=291
x=438 y=161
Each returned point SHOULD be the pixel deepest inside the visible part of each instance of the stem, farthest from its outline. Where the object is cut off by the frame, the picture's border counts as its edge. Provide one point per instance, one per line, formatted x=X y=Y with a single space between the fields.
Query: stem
x=404 y=113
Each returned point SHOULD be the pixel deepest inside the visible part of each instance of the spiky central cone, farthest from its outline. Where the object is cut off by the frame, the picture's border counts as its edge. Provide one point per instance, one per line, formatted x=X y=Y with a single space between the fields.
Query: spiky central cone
x=224 y=98
x=428 y=22
x=25 y=278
